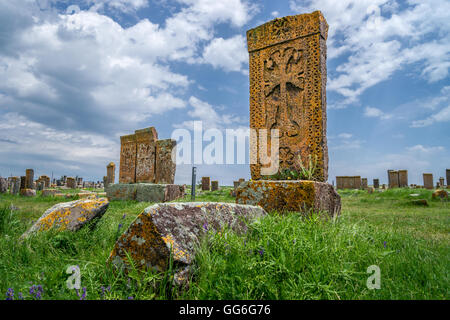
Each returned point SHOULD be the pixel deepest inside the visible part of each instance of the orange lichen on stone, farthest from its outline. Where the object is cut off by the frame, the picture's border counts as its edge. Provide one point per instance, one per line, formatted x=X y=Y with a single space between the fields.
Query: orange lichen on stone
x=287 y=195
x=287 y=63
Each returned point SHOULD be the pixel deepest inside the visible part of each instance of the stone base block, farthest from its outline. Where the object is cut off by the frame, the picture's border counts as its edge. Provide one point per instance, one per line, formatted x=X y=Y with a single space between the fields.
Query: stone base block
x=287 y=195
x=144 y=192
x=28 y=192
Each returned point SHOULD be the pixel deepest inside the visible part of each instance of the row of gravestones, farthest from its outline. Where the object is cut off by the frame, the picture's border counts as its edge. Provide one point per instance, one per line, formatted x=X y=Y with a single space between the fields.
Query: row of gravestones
x=208 y=185
x=396 y=179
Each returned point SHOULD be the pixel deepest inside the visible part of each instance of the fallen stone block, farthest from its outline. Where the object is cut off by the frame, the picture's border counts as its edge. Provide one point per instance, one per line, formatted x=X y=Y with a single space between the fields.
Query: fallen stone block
x=28 y=192
x=287 y=195
x=178 y=227
x=144 y=192
x=69 y=215
x=442 y=194
x=49 y=192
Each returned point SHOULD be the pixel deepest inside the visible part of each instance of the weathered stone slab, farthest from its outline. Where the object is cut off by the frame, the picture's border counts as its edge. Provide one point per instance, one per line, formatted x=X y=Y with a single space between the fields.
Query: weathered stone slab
x=29 y=178
x=376 y=183
x=288 y=195
x=28 y=192
x=23 y=182
x=393 y=180
x=447 y=173
x=442 y=182
x=49 y=192
x=127 y=170
x=206 y=184
x=364 y=183
x=214 y=185
x=146 y=154
x=3 y=185
x=144 y=192
x=165 y=164
x=442 y=194
x=70 y=216
x=177 y=227
x=428 y=180
x=110 y=174
x=403 y=178
x=348 y=182
x=287 y=64
x=15 y=185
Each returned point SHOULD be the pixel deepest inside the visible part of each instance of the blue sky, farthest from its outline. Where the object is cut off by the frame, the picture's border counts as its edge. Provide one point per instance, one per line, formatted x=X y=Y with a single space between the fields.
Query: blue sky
x=76 y=75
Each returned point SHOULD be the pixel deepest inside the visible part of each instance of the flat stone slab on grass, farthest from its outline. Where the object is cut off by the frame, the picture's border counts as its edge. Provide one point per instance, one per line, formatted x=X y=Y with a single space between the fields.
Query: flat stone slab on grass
x=179 y=226
x=290 y=195
x=70 y=215
x=144 y=192
x=28 y=192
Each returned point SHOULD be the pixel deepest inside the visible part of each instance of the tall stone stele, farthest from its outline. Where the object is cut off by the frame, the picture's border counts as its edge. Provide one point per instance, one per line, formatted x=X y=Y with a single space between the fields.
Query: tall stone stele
x=110 y=173
x=29 y=174
x=288 y=74
x=287 y=68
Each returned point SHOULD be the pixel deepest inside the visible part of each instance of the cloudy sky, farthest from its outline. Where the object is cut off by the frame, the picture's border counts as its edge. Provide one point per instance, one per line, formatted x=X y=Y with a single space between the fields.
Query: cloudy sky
x=76 y=75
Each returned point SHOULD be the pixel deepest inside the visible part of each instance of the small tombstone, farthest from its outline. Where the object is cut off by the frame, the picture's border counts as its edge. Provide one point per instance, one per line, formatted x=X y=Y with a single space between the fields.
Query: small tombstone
x=403 y=178
x=29 y=178
x=165 y=165
x=393 y=180
x=441 y=182
x=15 y=185
x=364 y=183
x=447 y=173
x=206 y=184
x=110 y=174
x=376 y=183
x=70 y=182
x=23 y=184
x=3 y=185
x=214 y=185
x=428 y=180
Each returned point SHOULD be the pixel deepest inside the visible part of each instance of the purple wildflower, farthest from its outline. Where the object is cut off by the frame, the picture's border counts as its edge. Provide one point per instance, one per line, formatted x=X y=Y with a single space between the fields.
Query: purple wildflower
x=205 y=226
x=261 y=252
x=130 y=298
x=83 y=296
x=124 y=215
x=20 y=296
x=384 y=244
x=120 y=226
x=10 y=294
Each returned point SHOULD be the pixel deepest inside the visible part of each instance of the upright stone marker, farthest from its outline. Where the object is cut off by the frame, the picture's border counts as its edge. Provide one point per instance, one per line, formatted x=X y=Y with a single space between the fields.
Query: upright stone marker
x=165 y=166
x=428 y=180
x=145 y=154
x=447 y=172
x=71 y=183
x=29 y=174
x=23 y=182
x=393 y=179
x=127 y=173
x=214 y=185
x=287 y=61
x=110 y=173
x=441 y=182
x=15 y=185
x=364 y=183
x=403 y=178
x=376 y=183
x=206 y=184
x=3 y=185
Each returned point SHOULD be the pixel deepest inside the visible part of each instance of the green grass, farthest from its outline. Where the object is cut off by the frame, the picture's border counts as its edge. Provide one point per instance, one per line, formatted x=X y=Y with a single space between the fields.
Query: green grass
x=281 y=257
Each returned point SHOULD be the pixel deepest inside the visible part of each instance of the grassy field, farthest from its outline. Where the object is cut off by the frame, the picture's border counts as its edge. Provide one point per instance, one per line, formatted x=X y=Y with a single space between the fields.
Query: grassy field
x=281 y=257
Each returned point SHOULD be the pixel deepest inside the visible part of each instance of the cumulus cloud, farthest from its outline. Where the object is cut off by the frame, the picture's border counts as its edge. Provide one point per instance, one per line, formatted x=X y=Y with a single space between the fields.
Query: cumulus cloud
x=229 y=54
x=376 y=113
x=442 y=115
x=376 y=39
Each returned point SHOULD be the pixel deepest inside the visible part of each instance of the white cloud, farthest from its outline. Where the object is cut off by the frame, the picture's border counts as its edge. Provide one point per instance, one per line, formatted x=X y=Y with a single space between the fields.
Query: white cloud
x=376 y=113
x=345 y=135
x=380 y=39
x=420 y=149
x=229 y=54
x=441 y=116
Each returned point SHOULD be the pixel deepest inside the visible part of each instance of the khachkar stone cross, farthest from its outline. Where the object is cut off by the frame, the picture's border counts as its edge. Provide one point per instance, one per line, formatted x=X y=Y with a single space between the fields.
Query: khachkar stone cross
x=145 y=159
x=287 y=59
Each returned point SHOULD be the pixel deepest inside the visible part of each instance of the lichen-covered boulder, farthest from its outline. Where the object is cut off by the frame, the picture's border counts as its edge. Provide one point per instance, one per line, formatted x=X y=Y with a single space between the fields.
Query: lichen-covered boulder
x=28 y=192
x=178 y=227
x=290 y=195
x=441 y=193
x=70 y=215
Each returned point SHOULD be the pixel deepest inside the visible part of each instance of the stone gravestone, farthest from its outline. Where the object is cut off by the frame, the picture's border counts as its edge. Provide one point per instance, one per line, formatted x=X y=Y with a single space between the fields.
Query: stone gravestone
x=70 y=182
x=447 y=172
x=127 y=171
x=376 y=183
x=15 y=185
x=393 y=179
x=146 y=154
x=110 y=174
x=364 y=183
x=206 y=184
x=165 y=164
x=29 y=174
x=214 y=185
x=441 y=182
x=23 y=184
x=287 y=62
x=3 y=185
x=403 y=178
x=428 y=180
